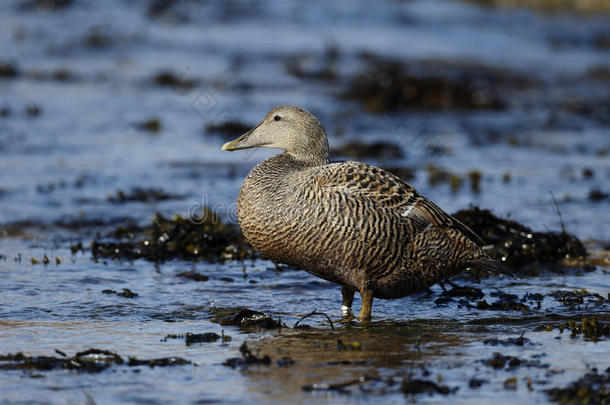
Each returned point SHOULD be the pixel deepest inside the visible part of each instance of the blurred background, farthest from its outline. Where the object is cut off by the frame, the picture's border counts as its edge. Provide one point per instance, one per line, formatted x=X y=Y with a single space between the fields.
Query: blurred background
x=111 y=111
x=491 y=103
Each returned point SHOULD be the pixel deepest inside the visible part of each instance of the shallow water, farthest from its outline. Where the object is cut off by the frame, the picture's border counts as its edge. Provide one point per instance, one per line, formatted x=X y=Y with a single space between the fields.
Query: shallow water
x=58 y=168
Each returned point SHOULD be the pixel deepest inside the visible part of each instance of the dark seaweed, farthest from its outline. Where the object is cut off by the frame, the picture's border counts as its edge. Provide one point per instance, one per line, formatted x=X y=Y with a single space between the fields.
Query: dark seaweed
x=598 y=195
x=577 y=298
x=126 y=293
x=518 y=341
x=592 y=388
x=33 y=110
x=589 y=327
x=248 y=318
x=500 y=361
x=285 y=362
x=204 y=238
x=504 y=303
x=170 y=79
x=536 y=298
x=141 y=195
x=8 y=71
x=348 y=346
x=90 y=361
x=247 y=359
x=405 y=173
x=192 y=338
x=193 y=276
x=517 y=246
x=378 y=150
x=97 y=38
x=471 y=293
x=48 y=5
x=150 y=125
x=340 y=387
x=228 y=129
x=419 y=386
x=388 y=85
x=476 y=382
x=162 y=362
x=307 y=66
x=510 y=383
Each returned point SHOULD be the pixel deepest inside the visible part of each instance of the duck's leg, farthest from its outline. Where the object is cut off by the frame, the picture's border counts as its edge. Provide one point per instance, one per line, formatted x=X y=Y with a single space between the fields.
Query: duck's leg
x=367 y=304
x=348 y=298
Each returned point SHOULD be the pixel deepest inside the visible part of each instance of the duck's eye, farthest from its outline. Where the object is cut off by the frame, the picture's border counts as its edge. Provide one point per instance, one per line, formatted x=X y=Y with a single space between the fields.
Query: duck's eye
x=277 y=118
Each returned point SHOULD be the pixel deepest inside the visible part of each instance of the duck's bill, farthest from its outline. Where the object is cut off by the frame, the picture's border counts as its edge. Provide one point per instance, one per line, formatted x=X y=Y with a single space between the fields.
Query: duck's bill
x=239 y=143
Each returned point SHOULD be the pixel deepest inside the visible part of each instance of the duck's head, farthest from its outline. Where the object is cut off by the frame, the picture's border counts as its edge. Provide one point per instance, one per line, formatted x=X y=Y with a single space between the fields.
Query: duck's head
x=289 y=128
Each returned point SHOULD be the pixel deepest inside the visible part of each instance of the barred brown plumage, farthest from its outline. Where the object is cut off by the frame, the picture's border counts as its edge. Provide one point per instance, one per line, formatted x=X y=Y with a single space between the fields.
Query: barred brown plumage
x=348 y=222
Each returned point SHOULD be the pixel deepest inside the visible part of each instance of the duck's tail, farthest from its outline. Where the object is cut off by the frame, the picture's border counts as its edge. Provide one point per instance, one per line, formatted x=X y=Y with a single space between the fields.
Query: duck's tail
x=488 y=264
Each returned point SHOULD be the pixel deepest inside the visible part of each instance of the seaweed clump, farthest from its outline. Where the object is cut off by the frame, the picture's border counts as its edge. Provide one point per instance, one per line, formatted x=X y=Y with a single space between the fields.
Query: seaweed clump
x=193 y=338
x=8 y=71
x=470 y=293
x=162 y=362
x=589 y=327
x=517 y=246
x=519 y=341
x=592 y=388
x=598 y=195
x=504 y=302
x=307 y=66
x=88 y=361
x=500 y=361
x=193 y=275
x=379 y=150
x=168 y=78
x=470 y=297
x=388 y=85
x=150 y=125
x=405 y=173
x=126 y=293
x=577 y=298
x=246 y=318
x=203 y=238
x=419 y=386
x=47 y=5
x=141 y=195
x=552 y=6
x=247 y=359
x=228 y=129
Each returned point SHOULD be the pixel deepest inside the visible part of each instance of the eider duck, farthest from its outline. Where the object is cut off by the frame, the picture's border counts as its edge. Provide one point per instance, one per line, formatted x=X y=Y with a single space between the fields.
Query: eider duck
x=350 y=223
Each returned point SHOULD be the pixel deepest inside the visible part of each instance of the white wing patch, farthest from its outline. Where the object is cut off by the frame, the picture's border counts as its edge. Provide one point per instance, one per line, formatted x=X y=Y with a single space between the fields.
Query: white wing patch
x=408 y=211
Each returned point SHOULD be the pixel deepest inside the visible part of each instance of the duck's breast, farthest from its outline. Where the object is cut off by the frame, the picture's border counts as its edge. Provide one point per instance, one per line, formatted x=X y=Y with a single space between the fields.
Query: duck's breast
x=332 y=236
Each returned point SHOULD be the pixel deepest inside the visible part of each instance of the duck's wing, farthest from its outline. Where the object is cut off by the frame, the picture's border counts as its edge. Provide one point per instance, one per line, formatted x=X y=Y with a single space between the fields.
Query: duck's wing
x=387 y=190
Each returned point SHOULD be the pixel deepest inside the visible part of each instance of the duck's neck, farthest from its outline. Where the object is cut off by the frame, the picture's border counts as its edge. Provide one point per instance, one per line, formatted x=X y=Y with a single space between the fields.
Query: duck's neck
x=308 y=160
x=291 y=162
x=276 y=174
x=312 y=148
